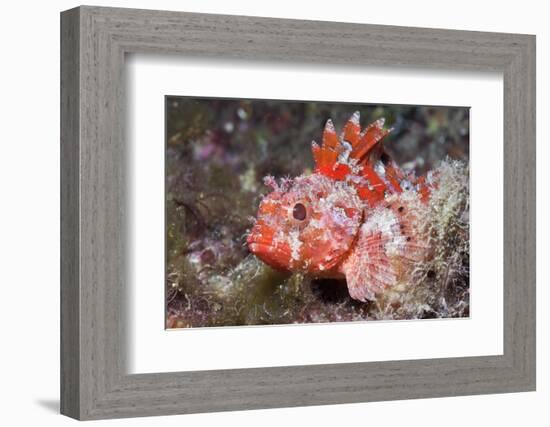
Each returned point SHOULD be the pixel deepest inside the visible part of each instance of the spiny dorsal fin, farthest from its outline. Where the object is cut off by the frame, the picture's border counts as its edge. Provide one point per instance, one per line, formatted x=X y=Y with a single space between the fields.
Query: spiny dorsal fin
x=336 y=154
x=352 y=130
x=370 y=137
x=360 y=156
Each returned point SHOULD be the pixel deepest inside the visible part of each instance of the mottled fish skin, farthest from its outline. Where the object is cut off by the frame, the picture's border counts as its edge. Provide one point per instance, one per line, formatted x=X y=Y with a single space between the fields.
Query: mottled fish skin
x=358 y=216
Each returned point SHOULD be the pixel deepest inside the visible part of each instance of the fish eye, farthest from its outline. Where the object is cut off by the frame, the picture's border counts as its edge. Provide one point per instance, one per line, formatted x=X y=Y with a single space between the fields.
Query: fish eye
x=299 y=212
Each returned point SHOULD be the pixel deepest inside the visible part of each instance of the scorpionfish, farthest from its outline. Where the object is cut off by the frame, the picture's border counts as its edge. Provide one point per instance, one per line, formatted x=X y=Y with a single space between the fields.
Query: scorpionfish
x=357 y=217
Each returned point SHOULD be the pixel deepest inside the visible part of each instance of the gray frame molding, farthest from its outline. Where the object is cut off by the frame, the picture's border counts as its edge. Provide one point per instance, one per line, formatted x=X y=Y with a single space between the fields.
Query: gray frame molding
x=94 y=41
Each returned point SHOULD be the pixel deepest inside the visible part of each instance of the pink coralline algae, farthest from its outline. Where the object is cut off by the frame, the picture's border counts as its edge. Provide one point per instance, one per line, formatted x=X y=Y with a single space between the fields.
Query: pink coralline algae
x=362 y=218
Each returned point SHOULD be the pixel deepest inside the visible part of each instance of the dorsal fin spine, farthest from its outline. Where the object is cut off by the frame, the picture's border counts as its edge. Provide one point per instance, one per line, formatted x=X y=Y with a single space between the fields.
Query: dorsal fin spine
x=354 y=153
x=362 y=143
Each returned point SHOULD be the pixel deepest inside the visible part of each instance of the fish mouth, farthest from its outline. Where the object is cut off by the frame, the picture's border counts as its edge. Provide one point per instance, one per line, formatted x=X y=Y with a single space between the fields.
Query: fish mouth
x=261 y=250
x=260 y=240
x=275 y=256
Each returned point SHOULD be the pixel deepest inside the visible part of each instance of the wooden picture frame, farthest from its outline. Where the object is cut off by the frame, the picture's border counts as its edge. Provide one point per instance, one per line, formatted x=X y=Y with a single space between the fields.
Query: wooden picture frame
x=94 y=382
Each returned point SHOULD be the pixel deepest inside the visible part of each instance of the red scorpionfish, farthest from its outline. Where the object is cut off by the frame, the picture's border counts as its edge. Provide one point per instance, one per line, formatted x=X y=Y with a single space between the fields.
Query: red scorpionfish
x=357 y=216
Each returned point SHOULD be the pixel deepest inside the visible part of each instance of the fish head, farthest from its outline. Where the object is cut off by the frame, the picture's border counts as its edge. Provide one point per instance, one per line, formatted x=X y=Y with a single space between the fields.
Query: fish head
x=307 y=224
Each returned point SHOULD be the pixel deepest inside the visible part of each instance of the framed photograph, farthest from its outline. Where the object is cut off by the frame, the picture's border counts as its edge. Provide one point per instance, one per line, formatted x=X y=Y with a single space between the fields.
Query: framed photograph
x=346 y=234
x=262 y=213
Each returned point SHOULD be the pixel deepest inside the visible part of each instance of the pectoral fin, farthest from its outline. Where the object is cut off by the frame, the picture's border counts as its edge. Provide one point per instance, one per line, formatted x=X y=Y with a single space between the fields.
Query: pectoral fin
x=385 y=252
x=368 y=270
